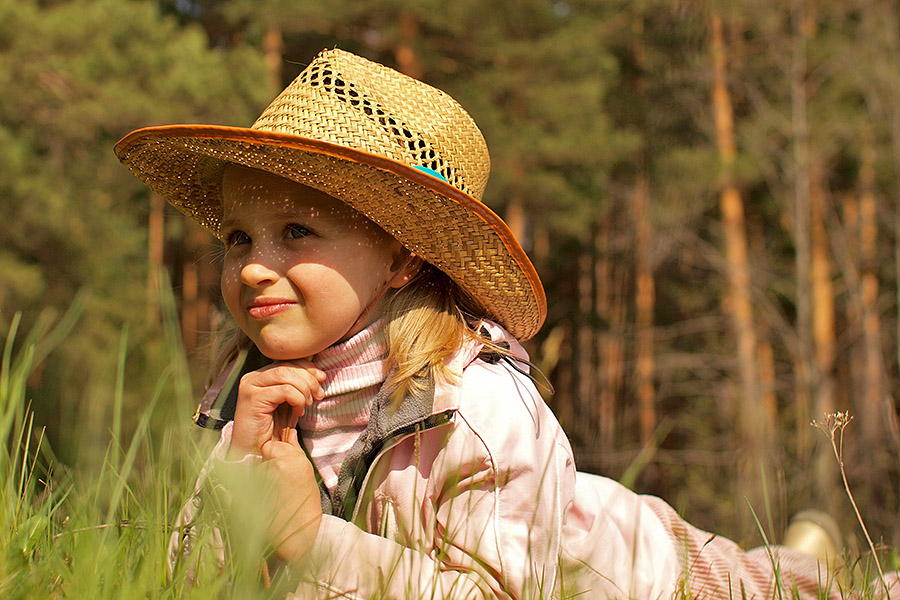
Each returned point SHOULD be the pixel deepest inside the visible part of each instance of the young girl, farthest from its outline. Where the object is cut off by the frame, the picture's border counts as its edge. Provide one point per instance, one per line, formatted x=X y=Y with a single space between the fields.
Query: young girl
x=376 y=376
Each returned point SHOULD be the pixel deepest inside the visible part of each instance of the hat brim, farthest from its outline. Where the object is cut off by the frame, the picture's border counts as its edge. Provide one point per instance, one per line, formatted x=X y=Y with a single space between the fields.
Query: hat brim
x=443 y=225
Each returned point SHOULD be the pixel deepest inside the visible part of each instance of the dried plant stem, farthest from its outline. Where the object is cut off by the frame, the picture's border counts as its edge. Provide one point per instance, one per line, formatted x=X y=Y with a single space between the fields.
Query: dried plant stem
x=835 y=423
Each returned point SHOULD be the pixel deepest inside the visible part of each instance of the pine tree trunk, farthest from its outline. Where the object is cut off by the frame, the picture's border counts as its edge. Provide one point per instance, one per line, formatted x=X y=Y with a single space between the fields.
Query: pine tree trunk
x=890 y=20
x=855 y=388
x=644 y=306
x=608 y=341
x=754 y=435
x=273 y=48
x=765 y=354
x=823 y=300
x=563 y=399
x=409 y=32
x=541 y=247
x=194 y=304
x=515 y=219
x=584 y=343
x=870 y=409
x=189 y=315
x=515 y=210
x=804 y=352
x=824 y=339
x=645 y=291
x=614 y=362
x=155 y=253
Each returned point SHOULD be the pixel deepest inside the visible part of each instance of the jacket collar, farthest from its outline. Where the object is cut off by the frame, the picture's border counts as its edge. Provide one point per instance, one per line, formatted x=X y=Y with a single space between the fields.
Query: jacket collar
x=447 y=395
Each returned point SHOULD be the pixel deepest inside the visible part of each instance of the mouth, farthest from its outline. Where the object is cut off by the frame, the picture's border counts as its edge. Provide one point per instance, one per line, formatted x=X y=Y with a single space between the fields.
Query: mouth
x=263 y=308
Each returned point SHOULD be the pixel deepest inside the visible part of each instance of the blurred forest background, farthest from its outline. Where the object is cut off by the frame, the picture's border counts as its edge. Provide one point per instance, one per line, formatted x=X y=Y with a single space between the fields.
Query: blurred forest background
x=710 y=191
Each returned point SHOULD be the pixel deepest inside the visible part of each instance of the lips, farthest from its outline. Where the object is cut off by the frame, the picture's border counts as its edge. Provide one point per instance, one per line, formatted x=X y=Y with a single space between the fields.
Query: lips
x=263 y=308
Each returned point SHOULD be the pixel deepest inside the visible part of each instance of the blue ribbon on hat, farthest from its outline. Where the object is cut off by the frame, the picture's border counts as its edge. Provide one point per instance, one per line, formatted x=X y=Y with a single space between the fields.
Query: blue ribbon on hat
x=431 y=172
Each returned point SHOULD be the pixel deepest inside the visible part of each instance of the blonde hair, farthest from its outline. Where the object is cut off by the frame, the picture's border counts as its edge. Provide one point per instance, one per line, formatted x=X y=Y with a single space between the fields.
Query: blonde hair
x=426 y=321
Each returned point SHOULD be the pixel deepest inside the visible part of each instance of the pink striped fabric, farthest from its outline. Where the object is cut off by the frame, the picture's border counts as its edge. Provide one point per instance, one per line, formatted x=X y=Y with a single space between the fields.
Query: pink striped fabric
x=355 y=372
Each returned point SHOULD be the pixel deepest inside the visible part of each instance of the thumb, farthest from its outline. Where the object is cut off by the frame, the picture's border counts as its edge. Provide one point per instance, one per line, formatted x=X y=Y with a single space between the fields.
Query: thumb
x=276 y=448
x=292 y=438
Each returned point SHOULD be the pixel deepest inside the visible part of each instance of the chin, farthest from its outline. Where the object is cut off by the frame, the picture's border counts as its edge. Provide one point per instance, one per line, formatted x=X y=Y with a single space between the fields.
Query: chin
x=276 y=351
x=282 y=354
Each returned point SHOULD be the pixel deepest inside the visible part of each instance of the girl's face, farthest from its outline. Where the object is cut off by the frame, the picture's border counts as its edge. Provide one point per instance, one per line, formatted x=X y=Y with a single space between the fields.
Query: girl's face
x=300 y=267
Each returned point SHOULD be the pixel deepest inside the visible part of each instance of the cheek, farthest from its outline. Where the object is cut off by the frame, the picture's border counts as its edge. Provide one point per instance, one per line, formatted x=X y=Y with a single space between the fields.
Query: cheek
x=370 y=275
x=230 y=284
x=320 y=282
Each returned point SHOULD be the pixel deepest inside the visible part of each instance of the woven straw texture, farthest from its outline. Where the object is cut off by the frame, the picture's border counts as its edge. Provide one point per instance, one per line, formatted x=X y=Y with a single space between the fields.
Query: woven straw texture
x=355 y=130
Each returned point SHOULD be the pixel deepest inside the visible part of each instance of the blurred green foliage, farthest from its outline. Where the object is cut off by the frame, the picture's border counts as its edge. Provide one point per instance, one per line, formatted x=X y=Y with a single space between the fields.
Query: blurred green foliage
x=579 y=100
x=76 y=77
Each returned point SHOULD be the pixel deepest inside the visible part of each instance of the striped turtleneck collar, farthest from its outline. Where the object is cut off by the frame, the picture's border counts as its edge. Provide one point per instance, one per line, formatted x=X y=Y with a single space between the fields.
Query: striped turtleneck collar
x=354 y=372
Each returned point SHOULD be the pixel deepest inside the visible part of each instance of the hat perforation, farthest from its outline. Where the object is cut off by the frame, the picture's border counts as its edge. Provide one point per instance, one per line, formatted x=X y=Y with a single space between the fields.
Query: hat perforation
x=405 y=135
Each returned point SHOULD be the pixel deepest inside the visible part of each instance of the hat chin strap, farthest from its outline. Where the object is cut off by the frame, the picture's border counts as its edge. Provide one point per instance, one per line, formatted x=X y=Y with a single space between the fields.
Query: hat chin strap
x=398 y=274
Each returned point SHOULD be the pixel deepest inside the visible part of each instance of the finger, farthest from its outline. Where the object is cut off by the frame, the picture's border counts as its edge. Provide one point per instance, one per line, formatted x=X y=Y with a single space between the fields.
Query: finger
x=265 y=399
x=281 y=384
x=293 y=438
x=298 y=371
x=286 y=371
x=308 y=365
x=318 y=376
x=275 y=449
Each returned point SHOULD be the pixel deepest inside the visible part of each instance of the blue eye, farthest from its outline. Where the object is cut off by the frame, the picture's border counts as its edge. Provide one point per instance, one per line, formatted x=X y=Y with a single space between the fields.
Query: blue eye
x=295 y=231
x=236 y=237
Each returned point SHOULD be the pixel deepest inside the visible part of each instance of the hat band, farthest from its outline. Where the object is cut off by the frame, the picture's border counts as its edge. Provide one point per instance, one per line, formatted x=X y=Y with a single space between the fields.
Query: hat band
x=431 y=172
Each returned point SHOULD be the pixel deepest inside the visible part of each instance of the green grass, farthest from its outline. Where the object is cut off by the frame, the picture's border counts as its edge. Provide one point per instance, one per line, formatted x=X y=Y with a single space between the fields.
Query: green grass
x=105 y=534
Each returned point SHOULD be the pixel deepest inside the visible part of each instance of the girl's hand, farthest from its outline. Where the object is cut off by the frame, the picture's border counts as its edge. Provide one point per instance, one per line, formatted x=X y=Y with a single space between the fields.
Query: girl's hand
x=257 y=418
x=294 y=503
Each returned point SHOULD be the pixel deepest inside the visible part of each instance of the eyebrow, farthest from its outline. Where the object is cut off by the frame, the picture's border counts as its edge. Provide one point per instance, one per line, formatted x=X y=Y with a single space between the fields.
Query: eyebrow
x=288 y=215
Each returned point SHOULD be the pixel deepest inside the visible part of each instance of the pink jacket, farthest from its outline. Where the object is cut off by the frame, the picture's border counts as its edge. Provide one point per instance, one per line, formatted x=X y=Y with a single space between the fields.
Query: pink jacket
x=478 y=496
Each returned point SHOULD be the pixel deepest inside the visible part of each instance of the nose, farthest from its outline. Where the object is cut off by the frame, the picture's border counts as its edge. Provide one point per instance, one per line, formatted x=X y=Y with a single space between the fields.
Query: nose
x=256 y=273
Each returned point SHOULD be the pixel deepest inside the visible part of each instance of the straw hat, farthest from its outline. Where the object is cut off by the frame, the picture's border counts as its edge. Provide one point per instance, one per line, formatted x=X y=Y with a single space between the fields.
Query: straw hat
x=399 y=151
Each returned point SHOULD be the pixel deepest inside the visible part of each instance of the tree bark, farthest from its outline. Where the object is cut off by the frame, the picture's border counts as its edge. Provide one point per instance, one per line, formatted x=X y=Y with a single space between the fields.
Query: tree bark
x=584 y=343
x=645 y=291
x=155 y=253
x=803 y=355
x=609 y=342
x=765 y=354
x=644 y=305
x=732 y=208
x=890 y=20
x=409 y=31
x=273 y=48
x=870 y=410
x=194 y=302
x=854 y=388
x=825 y=481
x=823 y=299
x=754 y=435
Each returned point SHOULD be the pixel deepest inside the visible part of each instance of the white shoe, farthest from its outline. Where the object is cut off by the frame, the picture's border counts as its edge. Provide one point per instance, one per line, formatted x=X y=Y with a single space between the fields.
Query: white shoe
x=815 y=533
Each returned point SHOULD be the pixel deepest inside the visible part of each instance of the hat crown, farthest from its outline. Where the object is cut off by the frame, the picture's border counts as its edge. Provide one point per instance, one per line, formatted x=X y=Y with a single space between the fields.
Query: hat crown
x=352 y=102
